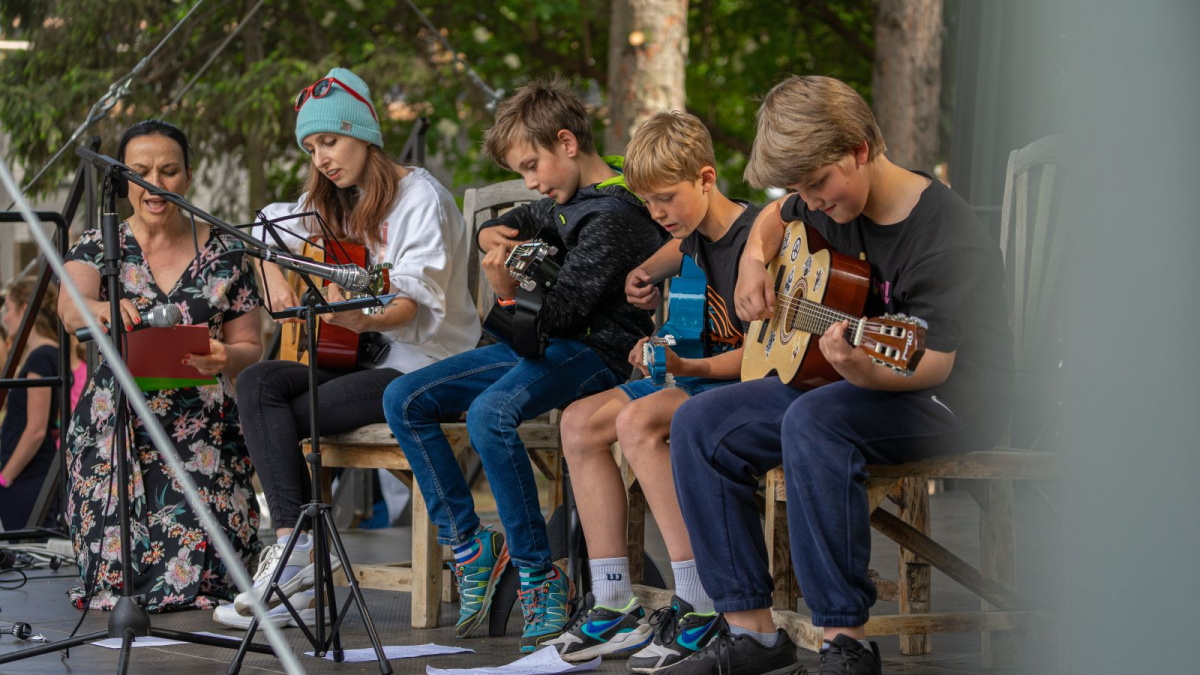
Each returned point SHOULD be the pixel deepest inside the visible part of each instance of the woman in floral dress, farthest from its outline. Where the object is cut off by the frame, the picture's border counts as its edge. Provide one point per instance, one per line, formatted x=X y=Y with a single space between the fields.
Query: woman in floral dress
x=175 y=564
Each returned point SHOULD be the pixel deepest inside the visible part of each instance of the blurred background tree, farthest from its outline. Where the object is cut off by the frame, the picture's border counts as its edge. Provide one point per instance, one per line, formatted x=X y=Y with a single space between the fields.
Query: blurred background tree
x=726 y=54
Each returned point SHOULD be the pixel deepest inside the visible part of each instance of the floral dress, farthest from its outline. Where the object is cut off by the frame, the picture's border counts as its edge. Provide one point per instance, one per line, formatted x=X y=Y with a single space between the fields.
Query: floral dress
x=175 y=564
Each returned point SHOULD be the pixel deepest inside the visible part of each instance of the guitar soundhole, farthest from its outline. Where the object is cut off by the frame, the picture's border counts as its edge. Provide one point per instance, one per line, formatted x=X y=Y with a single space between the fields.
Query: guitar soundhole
x=791 y=308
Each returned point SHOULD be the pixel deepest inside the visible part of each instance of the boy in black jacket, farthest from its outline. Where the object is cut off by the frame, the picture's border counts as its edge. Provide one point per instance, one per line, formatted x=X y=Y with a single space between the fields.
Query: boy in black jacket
x=544 y=133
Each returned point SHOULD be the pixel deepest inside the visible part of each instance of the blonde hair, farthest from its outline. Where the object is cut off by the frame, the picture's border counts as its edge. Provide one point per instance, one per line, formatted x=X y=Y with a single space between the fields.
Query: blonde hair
x=20 y=291
x=805 y=123
x=353 y=213
x=534 y=116
x=669 y=148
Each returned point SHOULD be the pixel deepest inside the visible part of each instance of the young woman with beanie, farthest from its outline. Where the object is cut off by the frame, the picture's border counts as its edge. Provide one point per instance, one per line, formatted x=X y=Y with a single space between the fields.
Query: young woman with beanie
x=403 y=216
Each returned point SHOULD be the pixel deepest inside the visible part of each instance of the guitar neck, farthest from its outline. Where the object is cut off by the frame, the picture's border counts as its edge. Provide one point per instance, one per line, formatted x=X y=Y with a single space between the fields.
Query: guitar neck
x=815 y=318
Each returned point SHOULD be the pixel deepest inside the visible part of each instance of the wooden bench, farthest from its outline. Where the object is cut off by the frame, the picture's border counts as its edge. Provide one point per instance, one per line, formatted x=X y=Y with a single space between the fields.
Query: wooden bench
x=1033 y=249
x=374 y=447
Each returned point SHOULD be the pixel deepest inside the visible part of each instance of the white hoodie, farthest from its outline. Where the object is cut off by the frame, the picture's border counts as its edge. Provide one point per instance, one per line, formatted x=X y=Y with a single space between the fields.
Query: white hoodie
x=426 y=240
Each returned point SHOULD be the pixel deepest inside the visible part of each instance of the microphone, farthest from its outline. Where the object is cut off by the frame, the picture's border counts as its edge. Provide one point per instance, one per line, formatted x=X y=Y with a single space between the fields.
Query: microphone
x=350 y=277
x=163 y=316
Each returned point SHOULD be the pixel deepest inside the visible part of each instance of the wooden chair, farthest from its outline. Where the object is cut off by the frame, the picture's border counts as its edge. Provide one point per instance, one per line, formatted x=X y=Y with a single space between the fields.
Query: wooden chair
x=374 y=446
x=1033 y=249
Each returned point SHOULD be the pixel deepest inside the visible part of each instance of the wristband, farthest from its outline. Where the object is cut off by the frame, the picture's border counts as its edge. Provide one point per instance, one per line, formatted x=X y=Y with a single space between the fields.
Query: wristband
x=506 y=302
x=3 y=481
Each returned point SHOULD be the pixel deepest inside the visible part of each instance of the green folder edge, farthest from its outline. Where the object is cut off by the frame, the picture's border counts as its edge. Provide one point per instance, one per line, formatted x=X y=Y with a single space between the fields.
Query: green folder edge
x=159 y=383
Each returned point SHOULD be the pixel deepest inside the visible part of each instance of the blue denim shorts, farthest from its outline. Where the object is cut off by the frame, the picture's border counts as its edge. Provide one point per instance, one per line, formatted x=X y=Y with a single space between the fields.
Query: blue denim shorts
x=690 y=385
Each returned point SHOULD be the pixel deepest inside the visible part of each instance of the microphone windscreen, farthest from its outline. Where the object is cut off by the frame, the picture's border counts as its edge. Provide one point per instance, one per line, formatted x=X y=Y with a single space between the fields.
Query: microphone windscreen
x=165 y=316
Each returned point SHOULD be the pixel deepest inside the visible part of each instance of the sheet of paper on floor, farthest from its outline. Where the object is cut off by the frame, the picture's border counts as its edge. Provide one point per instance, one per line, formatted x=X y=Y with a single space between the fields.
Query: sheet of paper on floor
x=151 y=641
x=395 y=652
x=545 y=660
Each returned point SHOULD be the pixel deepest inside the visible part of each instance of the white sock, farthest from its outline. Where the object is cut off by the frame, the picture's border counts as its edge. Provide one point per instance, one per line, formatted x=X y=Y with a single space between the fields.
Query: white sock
x=610 y=582
x=767 y=640
x=688 y=587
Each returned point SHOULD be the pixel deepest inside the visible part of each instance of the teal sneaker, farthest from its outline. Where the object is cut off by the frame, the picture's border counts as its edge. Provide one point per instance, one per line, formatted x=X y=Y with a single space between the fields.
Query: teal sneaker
x=679 y=632
x=477 y=579
x=596 y=630
x=545 y=609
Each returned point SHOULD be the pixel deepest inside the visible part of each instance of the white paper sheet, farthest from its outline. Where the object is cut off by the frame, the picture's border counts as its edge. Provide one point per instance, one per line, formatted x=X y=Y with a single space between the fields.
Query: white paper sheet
x=545 y=660
x=395 y=652
x=151 y=641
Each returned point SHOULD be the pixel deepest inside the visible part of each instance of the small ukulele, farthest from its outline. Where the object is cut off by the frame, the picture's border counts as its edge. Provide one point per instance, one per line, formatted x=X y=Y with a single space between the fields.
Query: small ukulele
x=816 y=287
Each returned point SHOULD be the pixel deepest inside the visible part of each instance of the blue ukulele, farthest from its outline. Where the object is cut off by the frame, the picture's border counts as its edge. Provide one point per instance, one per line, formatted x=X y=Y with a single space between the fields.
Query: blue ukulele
x=684 y=326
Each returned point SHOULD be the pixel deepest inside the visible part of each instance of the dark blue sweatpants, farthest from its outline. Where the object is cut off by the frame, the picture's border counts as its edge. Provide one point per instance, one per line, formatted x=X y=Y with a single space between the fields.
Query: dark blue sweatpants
x=723 y=440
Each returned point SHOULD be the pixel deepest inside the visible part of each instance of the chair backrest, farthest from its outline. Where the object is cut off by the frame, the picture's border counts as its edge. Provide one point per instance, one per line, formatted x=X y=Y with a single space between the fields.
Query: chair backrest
x=479 y=206
x=1033 y=243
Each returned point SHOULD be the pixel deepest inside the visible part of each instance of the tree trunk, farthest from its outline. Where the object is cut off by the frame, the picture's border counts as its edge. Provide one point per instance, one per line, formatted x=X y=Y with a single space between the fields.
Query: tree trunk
x=254 y=153
x=648 y=46
x=907 y=80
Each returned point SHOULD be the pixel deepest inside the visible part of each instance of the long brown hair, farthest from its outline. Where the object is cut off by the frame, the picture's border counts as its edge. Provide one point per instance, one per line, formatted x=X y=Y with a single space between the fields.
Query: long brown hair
x=356 y=213
x=20 y=292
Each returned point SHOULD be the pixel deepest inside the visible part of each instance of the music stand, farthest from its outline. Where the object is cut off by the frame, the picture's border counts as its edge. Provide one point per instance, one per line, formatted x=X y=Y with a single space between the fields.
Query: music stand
x=319 y=513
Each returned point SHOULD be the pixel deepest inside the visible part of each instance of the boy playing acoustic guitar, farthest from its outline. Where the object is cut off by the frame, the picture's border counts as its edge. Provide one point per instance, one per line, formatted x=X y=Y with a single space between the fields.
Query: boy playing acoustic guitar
x=929 y=257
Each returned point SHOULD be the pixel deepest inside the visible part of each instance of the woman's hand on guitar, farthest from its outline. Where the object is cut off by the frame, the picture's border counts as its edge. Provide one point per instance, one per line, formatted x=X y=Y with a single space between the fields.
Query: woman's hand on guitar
x=353 y=319
x=497 y=272
x=498 y=235
x=754 y=296
x=640 y=292
x=209 y=364
x=280 y=292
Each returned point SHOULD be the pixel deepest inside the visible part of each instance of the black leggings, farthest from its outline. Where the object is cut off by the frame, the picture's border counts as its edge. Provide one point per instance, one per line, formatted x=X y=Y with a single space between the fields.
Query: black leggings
x=273 y=406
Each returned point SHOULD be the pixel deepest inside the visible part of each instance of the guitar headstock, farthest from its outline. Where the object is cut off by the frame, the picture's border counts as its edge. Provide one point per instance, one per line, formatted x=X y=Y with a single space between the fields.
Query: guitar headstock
x=526 y=260
x=894 y=340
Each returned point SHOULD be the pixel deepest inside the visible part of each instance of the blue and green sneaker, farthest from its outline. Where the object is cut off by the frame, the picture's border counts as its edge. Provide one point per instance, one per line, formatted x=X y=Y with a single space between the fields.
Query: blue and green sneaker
x=596 y=630
x=477 y=578
x=544 y=607
x=679 y=632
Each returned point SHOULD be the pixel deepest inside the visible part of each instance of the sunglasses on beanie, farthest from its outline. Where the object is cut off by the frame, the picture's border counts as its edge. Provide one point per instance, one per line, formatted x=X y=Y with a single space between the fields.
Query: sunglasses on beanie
x=322 y=87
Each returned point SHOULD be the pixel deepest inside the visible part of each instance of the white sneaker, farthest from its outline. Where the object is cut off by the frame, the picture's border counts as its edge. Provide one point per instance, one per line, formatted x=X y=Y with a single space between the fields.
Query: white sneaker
x=304 y=602
x=298 y=573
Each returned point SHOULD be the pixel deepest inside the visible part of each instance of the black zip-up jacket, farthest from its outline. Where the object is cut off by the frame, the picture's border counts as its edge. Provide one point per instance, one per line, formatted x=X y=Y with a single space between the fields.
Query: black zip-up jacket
x=606 y=233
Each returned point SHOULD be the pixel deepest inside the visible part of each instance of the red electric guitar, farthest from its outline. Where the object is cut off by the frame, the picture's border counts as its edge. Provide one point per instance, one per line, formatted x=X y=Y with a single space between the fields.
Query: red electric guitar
x=816 y=287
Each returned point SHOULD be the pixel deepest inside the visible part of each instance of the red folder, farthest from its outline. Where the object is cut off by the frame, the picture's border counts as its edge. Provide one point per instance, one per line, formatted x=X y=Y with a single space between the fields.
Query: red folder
x=155 y=357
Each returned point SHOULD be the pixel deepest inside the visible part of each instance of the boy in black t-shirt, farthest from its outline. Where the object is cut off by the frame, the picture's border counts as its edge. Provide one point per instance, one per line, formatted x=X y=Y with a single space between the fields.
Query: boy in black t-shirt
x=670 y=165
x=931 y=258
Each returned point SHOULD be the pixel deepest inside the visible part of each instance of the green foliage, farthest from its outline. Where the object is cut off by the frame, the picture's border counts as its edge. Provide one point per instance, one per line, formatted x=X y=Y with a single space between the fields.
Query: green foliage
x=241 y=108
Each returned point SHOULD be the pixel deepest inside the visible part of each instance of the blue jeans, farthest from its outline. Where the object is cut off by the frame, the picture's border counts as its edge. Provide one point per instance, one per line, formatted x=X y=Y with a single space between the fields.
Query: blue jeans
x=723 y=440
x=498 y=390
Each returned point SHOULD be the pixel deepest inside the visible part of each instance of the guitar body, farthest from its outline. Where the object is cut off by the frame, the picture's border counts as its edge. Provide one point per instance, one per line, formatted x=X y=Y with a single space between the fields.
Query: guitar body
x=807 y=268
x=337 y=347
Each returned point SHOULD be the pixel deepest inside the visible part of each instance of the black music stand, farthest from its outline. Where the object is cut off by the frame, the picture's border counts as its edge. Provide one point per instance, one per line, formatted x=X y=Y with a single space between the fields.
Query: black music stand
x=319 y=513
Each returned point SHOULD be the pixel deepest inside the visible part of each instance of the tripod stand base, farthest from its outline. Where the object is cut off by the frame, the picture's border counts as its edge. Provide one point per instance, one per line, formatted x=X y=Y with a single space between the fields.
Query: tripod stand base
x=228 y=643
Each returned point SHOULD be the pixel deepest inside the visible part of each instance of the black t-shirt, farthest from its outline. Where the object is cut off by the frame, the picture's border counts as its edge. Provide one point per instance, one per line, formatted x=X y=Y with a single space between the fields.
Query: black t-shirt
x=940 y=265
x=42 y=361
x=718 y=260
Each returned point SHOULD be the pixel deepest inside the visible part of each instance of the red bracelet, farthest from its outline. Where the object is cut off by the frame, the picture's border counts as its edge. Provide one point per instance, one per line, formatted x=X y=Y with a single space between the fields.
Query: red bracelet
x=3 y=481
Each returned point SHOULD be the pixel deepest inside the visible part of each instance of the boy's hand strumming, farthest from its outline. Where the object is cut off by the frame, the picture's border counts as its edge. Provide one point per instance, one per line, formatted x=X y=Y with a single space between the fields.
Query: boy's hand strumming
x=754 y=296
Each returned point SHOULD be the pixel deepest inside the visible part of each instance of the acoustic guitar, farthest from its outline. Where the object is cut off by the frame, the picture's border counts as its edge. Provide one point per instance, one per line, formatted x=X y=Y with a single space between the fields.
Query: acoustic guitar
x=337 y=347
x=816 y=287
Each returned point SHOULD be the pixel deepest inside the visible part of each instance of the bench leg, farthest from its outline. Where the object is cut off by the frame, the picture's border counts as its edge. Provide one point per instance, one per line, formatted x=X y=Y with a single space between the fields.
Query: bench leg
x=914 y=573
x=426 y=567
x=636 y=533
x=787 y=587
x=997 y=560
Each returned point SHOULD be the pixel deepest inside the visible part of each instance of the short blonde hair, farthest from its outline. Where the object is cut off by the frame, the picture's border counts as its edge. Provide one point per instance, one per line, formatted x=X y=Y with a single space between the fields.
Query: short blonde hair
x=534 y=115
x=805 y=123
x=669 y=148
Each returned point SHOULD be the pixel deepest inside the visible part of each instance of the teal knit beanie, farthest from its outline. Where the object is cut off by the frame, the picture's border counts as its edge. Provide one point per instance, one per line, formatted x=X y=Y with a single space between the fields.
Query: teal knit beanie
x=339 y=112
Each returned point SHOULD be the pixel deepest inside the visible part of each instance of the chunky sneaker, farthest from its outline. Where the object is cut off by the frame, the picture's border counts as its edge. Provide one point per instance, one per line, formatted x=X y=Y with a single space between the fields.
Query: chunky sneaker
x=477 y=578
x=596 y=630
x=847 y=656
x=679 y=632
x=545 y=609
x=299 y=573
x=304 y=602
x=729 y=654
